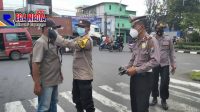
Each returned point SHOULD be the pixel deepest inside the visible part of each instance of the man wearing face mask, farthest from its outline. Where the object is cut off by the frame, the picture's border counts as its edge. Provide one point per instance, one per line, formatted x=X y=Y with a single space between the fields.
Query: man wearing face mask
x=46 y=69
x=144 y=58
x=166 y=58
x=82 y=67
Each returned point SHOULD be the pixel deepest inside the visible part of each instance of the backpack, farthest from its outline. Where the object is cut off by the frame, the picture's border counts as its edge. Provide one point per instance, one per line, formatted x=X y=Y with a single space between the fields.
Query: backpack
x=30 y=58
x=30 y=61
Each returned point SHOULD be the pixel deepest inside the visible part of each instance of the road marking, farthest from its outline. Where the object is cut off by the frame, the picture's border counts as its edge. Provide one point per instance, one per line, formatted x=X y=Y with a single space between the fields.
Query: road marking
x=196 y=70
x=67 y=95
x=34 y=103
x=186 y=83
x=106 y=101
x=178 y=94
x=173 y=105
x=122 y=85
x=111 y=90
x=180 y=51
x=193 y=52
x=14 y=107
x=185 y=89
x=184 y=96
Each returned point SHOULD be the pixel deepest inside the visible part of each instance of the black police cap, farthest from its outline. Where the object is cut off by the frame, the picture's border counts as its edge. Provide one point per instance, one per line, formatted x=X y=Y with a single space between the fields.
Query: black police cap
x=83 y=23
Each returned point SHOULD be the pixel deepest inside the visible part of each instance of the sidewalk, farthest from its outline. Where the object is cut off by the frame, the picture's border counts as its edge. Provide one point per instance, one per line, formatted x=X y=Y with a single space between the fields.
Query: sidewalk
x=187 y=51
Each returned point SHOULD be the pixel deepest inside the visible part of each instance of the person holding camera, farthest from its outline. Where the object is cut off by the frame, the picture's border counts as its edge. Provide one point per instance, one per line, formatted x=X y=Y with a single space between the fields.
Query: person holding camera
x=46 y=69
x=144 y=58
x=166 y=58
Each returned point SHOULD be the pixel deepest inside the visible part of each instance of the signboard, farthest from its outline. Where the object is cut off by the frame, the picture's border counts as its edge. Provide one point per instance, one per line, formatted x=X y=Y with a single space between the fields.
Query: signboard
x=10 y=18
x=94 y=21
x=34 y=5
x=40 y=2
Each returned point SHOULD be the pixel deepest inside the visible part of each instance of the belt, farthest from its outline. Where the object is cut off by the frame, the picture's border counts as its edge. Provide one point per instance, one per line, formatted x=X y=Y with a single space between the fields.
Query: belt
x=150 y=70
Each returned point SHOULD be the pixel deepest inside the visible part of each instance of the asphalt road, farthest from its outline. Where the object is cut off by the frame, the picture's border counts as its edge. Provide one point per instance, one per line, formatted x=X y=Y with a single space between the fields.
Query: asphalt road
x=110 y=91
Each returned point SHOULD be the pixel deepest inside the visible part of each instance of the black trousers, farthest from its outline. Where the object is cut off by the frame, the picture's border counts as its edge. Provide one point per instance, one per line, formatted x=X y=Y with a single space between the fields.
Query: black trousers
x=82 y=95
x=164 y=83
x=140 y=89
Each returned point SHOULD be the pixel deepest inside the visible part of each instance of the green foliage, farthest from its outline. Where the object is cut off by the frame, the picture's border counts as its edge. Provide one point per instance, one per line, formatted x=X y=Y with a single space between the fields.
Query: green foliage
x=189 y=43
x=183 y=13
x=195 y=75
x=194 y=37
x=187 y=47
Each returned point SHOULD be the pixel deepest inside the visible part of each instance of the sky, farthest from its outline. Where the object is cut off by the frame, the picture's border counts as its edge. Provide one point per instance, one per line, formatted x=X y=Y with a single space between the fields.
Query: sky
x=68 y=7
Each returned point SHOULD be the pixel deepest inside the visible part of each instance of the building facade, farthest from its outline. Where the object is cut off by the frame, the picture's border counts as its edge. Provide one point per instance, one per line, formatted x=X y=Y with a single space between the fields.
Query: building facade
x=115 y=17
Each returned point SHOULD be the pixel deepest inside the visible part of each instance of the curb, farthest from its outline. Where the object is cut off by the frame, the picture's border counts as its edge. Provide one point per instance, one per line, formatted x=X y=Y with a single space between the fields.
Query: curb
x=190 y=52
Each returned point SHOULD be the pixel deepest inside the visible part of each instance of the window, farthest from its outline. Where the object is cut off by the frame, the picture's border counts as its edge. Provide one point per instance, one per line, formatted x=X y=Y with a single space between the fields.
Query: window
x=120 y=9
x=122 y=25
x=118 y=25
x=22 y=36
x=12 y=38
x=96 y=30
x=110 y=7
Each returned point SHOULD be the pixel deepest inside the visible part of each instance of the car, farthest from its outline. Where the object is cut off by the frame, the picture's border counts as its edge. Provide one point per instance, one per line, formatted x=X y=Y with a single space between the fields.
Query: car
x=15 y=42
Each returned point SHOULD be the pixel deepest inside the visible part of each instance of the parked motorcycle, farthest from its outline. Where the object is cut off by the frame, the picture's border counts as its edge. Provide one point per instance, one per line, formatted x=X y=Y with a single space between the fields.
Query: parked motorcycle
x=104 y=46
x=117 y=46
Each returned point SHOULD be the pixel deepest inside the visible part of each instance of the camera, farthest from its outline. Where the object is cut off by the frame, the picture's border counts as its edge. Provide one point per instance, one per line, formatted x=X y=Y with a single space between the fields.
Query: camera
x=122 y=70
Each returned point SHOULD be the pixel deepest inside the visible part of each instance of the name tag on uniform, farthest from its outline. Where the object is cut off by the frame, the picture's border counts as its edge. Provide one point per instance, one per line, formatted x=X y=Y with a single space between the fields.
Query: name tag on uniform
x=144 y=45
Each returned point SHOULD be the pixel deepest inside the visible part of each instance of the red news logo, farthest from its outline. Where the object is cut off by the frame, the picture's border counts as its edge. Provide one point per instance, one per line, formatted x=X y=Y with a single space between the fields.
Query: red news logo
x=37 y=17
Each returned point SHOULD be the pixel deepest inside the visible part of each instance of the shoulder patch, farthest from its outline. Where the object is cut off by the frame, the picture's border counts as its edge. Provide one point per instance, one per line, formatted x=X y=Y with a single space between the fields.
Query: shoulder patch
x=82 y=42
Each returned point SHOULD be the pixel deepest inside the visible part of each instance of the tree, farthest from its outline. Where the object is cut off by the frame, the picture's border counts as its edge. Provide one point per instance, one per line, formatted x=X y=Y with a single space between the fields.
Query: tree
x=183 y=14
x=157 y=11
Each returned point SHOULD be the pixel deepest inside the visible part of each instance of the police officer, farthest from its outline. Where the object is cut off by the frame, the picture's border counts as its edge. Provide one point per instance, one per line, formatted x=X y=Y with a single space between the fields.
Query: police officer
x=82 y=67
x=144 y=58
x=166 y=58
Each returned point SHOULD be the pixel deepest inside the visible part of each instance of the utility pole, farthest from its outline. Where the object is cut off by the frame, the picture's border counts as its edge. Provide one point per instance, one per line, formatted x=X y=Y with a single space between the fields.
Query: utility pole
x=1 y=4
x=119 y=16
x=105 y=24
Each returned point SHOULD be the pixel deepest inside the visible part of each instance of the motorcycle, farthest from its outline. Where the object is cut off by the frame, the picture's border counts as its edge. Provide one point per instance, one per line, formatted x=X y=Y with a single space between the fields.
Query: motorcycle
x=104 y=46
x=117 y=46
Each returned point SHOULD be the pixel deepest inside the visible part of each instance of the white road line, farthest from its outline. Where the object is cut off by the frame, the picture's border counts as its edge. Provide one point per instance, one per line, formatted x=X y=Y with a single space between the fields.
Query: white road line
x=106 y=101
x=196 y=70
x=172 y=104
x=122 y=85
x=67 y=95
x=185 y=89
x=34 y=103
x=14 y=107
x=193 y=52
x=184 y=96
x=180 y=51
x=186 y=83
x=111 y=90
x=175 y=93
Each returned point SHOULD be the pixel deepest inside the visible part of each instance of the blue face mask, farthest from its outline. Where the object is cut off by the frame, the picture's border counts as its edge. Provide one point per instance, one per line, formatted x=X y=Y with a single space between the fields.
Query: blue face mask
x=81 y=31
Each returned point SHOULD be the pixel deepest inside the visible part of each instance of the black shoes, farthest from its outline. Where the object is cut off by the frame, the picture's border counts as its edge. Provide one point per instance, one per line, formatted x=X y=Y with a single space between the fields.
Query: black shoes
x=164 y=104
x=154 y=101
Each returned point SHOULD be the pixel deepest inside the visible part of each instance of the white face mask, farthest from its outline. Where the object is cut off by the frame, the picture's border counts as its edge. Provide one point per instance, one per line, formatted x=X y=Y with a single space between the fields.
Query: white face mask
x=134 y=33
